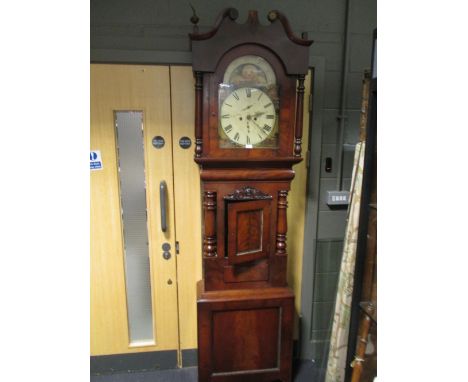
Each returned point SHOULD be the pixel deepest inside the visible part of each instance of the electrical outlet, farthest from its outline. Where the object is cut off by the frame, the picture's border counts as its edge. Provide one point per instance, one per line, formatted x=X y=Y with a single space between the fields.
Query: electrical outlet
x=337 y=198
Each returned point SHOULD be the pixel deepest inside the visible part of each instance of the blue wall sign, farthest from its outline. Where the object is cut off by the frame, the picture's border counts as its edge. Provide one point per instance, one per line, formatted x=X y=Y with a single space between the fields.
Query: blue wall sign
x=95 y=160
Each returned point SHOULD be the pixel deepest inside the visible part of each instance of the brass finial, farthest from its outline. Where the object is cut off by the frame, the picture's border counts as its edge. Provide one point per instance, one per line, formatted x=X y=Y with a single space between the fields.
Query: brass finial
x=272 y=16
x=194 y=19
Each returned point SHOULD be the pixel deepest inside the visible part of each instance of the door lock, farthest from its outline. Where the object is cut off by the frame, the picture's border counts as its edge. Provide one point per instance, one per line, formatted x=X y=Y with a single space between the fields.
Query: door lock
x=166 y=247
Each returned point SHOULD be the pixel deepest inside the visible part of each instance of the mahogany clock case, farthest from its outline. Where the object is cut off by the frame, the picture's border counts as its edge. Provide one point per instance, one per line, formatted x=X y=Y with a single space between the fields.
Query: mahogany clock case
x=245 y=308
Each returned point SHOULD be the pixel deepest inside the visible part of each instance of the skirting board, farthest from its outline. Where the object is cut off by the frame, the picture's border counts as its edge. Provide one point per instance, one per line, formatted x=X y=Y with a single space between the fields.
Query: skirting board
x=189 y=357
x=158 y=360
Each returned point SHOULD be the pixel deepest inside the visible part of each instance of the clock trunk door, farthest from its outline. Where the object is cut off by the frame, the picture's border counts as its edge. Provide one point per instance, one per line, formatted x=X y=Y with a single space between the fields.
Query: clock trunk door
x=248 y=230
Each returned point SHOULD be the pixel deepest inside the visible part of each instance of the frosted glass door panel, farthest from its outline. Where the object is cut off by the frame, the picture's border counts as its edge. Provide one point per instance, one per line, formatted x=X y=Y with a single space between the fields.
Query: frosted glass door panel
x=129 y=129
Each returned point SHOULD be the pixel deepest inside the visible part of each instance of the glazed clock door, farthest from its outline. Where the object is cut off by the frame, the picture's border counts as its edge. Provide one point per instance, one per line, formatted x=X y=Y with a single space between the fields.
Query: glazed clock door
x=133 y=262
x=248 y=104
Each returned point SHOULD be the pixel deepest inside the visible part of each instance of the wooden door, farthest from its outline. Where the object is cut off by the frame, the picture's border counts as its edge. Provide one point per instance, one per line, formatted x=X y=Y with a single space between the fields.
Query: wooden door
x=142 y=91
x=187 y=208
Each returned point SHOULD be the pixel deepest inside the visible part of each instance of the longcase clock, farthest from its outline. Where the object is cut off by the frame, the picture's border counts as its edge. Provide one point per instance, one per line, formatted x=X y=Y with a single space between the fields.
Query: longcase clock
x=249 y=86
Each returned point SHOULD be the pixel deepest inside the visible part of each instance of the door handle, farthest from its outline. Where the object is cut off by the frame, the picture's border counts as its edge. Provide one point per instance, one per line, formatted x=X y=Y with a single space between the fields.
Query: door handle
x=162 y=203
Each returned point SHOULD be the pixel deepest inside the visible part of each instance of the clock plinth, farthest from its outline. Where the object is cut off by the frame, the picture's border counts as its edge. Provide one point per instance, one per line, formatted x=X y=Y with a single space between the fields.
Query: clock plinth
x=249 y=86
x=245 y=335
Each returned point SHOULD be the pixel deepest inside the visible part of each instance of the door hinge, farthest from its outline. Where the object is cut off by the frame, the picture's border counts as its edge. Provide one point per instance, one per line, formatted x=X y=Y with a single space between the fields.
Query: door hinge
x=177 y=247
x=310 y=102
x=307 y=158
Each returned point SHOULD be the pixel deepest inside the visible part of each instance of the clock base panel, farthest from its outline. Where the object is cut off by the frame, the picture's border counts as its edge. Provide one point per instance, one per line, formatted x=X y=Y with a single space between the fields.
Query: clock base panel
x=245 y=335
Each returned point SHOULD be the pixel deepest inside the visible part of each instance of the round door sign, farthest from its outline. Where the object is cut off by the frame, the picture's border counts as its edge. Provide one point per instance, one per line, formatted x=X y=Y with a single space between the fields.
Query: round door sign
x=185 y=142
x=158 y=142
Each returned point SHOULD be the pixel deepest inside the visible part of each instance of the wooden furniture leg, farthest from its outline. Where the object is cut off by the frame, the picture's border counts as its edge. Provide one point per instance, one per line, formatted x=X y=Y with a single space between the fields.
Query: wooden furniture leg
x=366 y=323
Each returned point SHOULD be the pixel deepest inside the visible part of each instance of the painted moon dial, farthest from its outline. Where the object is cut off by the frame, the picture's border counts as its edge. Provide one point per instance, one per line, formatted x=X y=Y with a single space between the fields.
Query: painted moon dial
x=248 y=116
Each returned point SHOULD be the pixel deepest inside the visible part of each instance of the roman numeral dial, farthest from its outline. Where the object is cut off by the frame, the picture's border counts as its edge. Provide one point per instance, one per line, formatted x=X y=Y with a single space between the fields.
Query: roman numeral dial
x=247 y=116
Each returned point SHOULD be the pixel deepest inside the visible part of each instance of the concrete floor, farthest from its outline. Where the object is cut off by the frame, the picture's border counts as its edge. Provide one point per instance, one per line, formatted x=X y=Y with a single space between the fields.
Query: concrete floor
x=304 y=371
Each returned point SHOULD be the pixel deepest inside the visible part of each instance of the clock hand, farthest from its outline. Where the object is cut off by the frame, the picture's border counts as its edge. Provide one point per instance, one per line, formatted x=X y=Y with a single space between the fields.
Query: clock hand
x=248 y=107
x=234 y=115
x=258 y=127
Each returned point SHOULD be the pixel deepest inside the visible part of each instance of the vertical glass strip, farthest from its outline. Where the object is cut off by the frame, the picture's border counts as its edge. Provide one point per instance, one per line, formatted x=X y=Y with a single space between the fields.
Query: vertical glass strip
x=130 y=145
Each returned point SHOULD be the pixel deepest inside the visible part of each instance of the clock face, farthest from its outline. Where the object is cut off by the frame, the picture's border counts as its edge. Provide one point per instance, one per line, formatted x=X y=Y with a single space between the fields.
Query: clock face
x=248 y=117
x=248 y=105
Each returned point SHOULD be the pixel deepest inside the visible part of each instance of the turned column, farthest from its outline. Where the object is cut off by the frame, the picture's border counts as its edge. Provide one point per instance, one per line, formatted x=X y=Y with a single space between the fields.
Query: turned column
x=198 y=113
x=357 y=366
x=299 y=115
x=209 y=237
x=281 y=224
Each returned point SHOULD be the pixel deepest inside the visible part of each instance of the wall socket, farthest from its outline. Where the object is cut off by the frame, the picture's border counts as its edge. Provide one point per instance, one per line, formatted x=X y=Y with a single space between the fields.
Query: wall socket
x=337 y=198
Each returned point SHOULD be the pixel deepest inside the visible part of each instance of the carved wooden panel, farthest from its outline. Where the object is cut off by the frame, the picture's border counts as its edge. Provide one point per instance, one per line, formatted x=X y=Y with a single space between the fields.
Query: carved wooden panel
x=247 y=193
x=248 y=226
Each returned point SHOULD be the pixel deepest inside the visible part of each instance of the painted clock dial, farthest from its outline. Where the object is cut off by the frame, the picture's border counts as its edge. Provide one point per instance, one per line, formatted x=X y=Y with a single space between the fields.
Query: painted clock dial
x=251 y=70
x=248 y=116
x=248 y=104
